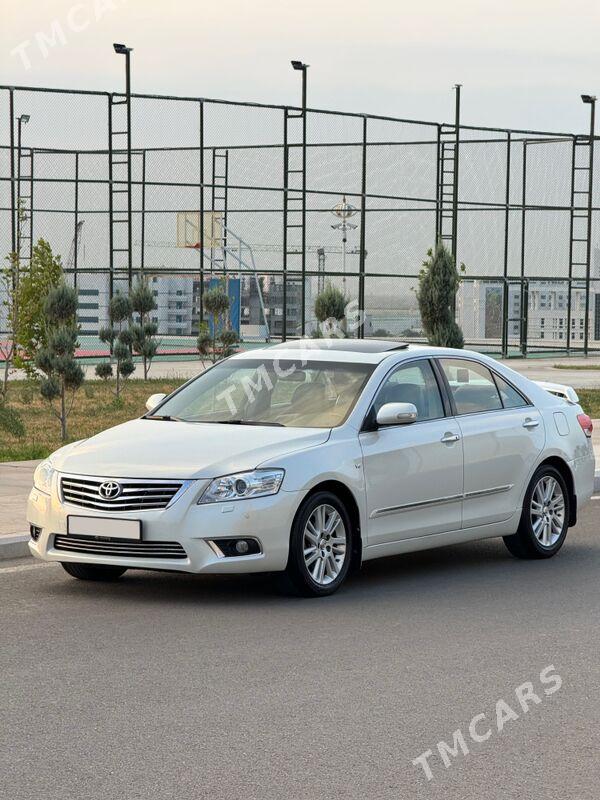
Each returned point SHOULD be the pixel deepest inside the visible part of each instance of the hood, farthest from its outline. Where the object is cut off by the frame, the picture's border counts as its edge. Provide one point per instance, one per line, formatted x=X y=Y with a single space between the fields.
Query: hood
x=146 y=448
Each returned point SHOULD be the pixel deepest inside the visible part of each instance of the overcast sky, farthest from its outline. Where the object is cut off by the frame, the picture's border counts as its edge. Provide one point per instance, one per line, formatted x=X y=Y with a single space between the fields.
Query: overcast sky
x=523 y=63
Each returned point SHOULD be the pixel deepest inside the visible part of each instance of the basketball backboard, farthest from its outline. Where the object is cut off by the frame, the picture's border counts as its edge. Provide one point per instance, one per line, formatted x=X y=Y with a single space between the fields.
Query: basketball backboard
x=188 y=229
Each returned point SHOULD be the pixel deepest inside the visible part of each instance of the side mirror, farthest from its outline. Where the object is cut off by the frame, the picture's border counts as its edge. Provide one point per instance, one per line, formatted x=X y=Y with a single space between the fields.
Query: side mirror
x=397 y=414
x=154 y=400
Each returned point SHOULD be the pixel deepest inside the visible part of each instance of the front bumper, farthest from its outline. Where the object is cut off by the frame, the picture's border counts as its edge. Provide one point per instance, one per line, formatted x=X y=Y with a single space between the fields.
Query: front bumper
x=267 y=519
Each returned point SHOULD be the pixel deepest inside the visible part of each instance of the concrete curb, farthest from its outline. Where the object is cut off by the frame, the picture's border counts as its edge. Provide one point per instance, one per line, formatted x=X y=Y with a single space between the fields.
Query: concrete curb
x=13 y=547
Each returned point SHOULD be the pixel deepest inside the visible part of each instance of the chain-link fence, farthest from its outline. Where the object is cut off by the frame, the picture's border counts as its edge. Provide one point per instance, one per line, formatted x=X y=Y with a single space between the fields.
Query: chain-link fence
x=282 y=201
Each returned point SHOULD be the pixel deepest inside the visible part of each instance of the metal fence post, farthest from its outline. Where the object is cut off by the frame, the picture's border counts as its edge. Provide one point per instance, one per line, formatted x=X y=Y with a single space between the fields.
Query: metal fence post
x=456 y=176
x=31 y=209
x=438 y=187
x=286 y=159
x=304 y=131
x=571 y=247
x=588 y=250
x=129 y=171
x=524 y=293
x=111 y=243
x=362 y=245
x=13 y=209
x=143 y=216
x=76 y=221
x=201 y=231
x=505 y=295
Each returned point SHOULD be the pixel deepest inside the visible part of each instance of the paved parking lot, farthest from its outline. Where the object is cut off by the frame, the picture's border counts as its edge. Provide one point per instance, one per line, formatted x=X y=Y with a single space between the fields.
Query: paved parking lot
x=168 y=686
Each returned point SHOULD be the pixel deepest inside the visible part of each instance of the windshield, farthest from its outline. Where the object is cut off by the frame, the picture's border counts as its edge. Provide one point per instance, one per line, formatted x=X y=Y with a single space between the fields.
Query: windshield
x=313 y=394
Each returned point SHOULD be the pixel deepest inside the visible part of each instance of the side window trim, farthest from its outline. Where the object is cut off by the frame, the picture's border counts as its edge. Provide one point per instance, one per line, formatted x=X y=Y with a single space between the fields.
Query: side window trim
x=444 y=387
x=444 y=396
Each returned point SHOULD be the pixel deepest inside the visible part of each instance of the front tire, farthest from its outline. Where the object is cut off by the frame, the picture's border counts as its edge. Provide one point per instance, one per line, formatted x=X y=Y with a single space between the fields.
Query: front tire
x=320 y=547
x=93 y=572
x=545 y=517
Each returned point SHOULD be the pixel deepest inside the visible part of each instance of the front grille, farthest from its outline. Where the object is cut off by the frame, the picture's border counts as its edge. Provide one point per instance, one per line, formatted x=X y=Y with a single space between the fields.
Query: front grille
x=92 y=545
x=131 y=495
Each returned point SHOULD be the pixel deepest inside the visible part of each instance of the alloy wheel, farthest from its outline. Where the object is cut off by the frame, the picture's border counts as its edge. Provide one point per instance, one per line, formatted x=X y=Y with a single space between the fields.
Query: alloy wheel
x=324 y=544
x=547 y=511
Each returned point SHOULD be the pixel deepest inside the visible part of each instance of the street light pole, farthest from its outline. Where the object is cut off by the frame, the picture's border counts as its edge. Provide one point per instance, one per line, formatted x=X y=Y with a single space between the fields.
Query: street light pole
x=591 y=101
x=123 y=50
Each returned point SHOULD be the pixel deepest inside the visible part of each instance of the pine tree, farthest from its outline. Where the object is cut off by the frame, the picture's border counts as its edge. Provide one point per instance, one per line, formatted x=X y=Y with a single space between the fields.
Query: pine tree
x=56 y=359
x=143 y=334
x=220 y=342
x=118 y=338
x=330 y=311
x=436 y=295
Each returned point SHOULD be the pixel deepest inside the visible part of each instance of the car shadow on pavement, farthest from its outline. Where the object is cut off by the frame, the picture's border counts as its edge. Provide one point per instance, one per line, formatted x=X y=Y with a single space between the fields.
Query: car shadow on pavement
x=472 y=568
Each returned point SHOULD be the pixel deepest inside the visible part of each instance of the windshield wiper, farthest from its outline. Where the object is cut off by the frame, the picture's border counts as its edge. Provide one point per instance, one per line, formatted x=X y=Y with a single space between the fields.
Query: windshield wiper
x=248 y=422
x=163 y=417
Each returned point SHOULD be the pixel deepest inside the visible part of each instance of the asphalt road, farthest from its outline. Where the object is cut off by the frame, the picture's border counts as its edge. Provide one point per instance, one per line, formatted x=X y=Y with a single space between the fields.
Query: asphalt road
x=166 y=686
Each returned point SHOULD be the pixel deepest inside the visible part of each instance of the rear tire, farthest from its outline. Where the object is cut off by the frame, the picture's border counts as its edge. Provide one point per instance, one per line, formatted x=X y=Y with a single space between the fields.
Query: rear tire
x=545 y=517
x=320 y=547
x=93 y=572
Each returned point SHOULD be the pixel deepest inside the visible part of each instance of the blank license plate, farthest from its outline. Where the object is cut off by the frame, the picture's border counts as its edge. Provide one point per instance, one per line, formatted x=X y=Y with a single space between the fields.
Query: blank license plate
x=100 y=526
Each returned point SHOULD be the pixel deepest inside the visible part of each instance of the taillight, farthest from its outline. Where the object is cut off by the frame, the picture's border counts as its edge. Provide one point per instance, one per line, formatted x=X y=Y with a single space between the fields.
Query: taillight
x=587 y=426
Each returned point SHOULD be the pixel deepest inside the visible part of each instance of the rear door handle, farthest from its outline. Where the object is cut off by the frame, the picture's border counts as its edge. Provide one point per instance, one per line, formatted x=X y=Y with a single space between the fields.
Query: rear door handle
x=450 y=437
x=531 y=423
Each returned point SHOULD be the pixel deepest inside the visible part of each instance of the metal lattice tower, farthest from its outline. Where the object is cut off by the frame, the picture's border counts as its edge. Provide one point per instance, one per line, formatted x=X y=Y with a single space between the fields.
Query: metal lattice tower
x=294 y=205
x=580 y=228
x=25 y=205
x=220 y=178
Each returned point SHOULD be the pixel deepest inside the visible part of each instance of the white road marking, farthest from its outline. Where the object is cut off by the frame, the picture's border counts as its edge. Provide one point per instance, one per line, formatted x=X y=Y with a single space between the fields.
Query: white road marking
x=595 y=497
x=24 y=567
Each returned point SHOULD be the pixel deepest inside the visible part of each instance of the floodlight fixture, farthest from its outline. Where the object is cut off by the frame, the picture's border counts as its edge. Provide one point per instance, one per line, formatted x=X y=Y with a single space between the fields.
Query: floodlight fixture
x=122 y=49
x=299 y=65
x=588 y=98
x=24 y=118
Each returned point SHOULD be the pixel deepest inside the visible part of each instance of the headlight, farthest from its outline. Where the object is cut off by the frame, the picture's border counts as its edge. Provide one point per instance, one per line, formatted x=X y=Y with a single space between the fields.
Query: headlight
x=42 y=477
x=241 y=485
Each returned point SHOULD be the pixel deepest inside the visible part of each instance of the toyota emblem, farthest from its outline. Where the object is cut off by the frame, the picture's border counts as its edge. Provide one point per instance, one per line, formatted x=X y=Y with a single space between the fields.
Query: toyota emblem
x=110 y=489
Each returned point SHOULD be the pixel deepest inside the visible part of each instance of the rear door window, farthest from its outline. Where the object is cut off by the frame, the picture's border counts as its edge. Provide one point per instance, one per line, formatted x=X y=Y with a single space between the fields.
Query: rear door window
x=472 y=386
x=510 y=397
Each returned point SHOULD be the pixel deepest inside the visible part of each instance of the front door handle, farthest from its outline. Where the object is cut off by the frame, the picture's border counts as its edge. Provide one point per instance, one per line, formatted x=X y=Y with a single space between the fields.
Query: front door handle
x=531 y=423
x=450 y=437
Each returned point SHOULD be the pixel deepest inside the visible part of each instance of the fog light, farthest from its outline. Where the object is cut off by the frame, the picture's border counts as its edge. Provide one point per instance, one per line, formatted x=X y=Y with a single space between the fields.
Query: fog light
x=35 y=532
x=230 y=548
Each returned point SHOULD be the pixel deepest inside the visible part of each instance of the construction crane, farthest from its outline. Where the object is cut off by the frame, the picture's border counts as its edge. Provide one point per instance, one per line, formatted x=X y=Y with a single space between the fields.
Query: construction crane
x=75 y=246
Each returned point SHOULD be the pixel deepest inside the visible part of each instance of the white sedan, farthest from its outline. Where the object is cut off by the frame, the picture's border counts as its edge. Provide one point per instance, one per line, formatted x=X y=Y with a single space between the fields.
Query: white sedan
x=312 y=456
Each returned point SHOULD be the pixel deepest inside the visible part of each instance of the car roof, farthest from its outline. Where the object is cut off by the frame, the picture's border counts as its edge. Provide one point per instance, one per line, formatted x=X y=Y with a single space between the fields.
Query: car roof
x=350 y=351
x=346 y=345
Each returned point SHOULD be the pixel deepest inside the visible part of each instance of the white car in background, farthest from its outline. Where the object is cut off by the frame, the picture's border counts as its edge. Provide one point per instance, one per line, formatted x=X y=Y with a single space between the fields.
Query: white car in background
x=312 y=456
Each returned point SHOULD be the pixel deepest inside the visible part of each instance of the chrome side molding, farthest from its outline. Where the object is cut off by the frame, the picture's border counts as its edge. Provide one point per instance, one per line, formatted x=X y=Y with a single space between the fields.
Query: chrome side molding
x=382 y=512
